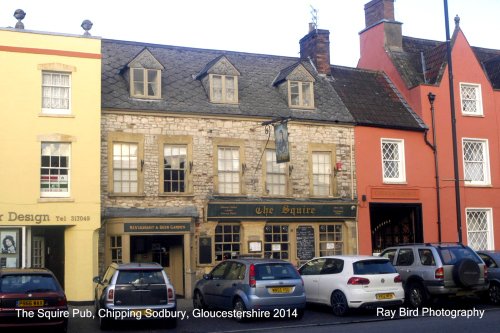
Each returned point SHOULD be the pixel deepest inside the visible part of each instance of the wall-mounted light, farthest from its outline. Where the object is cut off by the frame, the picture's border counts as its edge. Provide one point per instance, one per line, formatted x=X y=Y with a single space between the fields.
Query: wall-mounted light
x=338 y=166
x=290 y=169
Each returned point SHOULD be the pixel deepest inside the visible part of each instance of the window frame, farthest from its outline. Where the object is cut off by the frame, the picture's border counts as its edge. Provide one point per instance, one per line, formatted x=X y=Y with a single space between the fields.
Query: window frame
x=188 y=178
x=231 y=243
x=265 y=173
x=486 y=163
x=402 y=163
x=129 y=138
x=49 y=194
x=489 y=225
x=116 y=240
x=224 y=89
x=301 y=104
x=146 y=82
x=55 y=111
x=229 y=143
x=334 y=251
x=479 y=100
x=323 y=148
x=280 y=233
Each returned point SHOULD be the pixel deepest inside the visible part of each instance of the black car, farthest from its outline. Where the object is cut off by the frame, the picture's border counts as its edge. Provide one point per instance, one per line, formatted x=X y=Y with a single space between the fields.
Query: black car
x=492 y=261
x=27 y=296
x=134 y=291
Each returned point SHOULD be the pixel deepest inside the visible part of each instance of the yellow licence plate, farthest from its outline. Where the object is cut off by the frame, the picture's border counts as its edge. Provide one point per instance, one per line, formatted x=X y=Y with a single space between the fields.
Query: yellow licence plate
x=281 y=290
x=139 y=312
x=385 y=296
x=30 y=302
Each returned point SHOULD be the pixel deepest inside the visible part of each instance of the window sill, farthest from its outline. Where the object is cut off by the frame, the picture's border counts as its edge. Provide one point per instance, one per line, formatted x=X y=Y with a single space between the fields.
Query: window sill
x=183 y=195
x=478 y=185
x=298 y=107
x=385 y=182
x=132 y=195
x=145 y=98
x=481 y=115
x=42 y=200
x=56 y=115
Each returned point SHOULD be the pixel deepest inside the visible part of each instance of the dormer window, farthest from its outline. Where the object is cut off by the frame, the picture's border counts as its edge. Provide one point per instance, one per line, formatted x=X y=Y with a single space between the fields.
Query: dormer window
x=145 y=83
x=300 y=94
x=223 y=88
x=296 y=85
x=219 y=78
x=144 y=76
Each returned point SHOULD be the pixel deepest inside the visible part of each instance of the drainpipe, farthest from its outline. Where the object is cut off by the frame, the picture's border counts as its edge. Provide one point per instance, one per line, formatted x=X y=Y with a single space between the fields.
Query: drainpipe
x=431 y=98
x=453 y=123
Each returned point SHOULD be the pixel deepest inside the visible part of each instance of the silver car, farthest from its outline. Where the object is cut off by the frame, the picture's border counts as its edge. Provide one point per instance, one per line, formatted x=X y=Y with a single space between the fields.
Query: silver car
x=134 y=291
x=266 y=285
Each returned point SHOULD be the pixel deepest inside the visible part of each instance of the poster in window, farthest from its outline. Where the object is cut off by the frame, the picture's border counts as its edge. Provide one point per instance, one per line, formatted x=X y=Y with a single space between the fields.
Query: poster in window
x=9 y=239
x=281 y=142
x=255 y=246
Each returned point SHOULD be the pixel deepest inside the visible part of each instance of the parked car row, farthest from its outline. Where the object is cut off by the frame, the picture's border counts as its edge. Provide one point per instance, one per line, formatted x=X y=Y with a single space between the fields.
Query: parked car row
x=415 y=273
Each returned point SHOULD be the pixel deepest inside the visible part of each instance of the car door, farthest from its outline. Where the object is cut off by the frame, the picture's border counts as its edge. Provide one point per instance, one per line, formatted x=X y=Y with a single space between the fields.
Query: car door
x=233 y=277
x=310 y=273
x=212 y=289
x=404 y=262
x=329 y=279
x=104 y=283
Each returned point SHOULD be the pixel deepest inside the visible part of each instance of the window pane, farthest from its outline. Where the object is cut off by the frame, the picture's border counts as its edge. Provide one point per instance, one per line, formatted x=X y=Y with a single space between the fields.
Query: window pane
x=54 y=172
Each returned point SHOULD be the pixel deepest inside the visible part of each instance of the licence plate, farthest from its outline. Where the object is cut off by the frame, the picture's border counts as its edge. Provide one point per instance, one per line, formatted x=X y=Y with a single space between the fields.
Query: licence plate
x=280 y=290
x=30 y=302
x=385 y=296
x=137 y=312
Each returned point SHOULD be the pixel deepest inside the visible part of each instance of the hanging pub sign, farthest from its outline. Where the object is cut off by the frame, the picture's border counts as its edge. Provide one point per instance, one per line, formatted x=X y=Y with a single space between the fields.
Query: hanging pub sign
x=281 y=141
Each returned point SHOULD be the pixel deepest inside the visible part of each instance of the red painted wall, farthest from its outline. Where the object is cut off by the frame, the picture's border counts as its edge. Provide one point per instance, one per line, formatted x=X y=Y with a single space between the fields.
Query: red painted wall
x=466 y=69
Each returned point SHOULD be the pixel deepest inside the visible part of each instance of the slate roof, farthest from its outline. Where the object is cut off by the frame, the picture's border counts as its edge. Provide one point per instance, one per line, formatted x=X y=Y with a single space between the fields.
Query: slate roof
x=373 y=99
x=408 y=61
x=182 y=93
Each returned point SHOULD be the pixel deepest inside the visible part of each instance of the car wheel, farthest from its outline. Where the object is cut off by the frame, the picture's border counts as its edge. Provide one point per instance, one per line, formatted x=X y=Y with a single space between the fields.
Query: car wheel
x=198 y=301
x=239 y=307
x=339 y=303
x=494 y=293
x=416 y=295
x=466 y=273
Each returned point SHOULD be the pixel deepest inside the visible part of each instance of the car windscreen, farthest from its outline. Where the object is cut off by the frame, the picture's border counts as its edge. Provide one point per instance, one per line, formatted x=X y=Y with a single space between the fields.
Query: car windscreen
x=275 y=271
x=366 y=267
x=450 y=255
x=140 y=277
x=23 y=283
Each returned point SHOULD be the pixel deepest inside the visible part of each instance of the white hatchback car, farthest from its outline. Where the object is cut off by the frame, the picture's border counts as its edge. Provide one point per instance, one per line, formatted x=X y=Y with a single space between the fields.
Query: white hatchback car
x=345 y=282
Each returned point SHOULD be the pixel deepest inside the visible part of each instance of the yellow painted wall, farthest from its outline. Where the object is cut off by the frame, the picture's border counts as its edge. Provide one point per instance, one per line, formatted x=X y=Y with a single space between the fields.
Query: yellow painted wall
x=22 y=127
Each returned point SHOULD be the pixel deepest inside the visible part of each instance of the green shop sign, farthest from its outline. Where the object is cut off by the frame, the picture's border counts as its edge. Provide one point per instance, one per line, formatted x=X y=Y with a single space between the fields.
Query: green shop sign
x=218 y=211
x=157 y=227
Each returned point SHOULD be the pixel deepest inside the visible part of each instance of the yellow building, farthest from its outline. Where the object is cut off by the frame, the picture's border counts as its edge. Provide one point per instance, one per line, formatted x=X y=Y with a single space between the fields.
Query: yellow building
x=50 y=164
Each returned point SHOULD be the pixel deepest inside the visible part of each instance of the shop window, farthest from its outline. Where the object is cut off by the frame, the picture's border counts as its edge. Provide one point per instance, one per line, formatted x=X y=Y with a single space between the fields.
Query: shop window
x=276 y=244
x=330 y=239
x=276 y=175
x=116 y=249
x=227 y=241
x=11 y=249
x=55 y=169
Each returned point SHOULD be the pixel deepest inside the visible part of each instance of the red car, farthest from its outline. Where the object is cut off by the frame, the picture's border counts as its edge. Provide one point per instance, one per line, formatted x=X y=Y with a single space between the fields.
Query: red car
x=32 y=298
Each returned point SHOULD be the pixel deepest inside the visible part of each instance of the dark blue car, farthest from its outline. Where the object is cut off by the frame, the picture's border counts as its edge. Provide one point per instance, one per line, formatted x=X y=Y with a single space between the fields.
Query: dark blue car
x=492 y=261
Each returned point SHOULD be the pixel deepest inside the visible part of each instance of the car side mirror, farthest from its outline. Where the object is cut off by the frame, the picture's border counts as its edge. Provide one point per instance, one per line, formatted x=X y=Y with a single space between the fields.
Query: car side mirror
x=208 y=276
x=97 y=280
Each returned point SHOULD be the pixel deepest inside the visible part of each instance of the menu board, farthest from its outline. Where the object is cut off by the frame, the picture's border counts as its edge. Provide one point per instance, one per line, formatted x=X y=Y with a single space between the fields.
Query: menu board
x=305 y=242
x=205 y=250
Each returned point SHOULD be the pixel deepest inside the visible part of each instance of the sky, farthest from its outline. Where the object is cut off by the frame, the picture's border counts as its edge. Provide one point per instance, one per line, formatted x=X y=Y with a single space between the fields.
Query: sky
x=254 y=26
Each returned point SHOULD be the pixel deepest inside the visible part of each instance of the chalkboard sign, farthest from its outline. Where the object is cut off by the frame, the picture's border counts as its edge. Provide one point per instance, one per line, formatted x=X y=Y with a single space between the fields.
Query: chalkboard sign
x=205 y=250
x=305 y=243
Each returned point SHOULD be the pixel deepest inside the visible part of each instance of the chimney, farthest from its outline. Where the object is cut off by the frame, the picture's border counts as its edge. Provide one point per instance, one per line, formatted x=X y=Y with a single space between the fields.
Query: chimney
x=382 y=11
x=316 y=47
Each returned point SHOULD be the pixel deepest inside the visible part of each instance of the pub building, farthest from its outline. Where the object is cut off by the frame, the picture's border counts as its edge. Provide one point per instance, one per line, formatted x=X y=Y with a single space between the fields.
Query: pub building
x=190 y=145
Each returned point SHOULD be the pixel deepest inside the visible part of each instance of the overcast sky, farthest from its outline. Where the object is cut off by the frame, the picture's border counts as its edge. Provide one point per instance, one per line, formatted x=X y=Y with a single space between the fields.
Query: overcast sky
x=255 y=26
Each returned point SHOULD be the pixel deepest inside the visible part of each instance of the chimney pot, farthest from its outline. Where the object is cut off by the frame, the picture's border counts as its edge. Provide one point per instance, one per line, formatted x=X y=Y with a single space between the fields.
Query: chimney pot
x=316 y=47
x=379 y=10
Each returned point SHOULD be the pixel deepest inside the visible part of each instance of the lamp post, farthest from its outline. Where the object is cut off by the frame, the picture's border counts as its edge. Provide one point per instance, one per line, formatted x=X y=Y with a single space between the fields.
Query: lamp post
x=432 y=98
